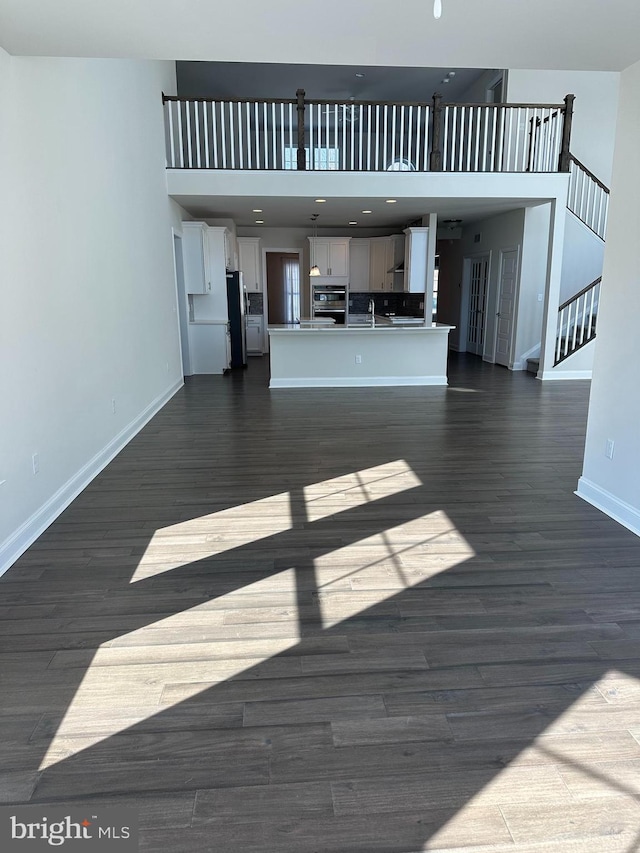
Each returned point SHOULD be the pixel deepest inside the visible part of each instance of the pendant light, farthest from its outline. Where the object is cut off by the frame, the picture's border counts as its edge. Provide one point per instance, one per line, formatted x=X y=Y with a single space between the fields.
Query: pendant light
x=315 y=269
x=437 y=8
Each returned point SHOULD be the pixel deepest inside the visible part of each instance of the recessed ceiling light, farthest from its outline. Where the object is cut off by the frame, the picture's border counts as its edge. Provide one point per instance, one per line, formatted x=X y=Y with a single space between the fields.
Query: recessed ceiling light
x=392 y=200
x=359 y=74
x=320 y=200
x=446 y=80
x=353 y=223
x=259 y=221
x=257 y=210
x=451 y=74
x=367 y=211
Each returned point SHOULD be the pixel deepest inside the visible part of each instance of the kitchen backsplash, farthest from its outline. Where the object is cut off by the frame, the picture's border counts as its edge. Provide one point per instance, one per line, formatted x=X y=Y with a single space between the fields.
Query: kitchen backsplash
x=256 y=305
x=407 y=304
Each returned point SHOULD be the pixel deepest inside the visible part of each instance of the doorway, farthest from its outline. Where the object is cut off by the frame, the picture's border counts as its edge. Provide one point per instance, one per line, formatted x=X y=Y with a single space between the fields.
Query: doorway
x=283 y=287
x=477 y=303
x=505 y=317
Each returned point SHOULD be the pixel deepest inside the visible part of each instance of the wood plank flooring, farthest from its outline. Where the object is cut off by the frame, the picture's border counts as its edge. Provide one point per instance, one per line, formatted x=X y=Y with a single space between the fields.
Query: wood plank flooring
x=336 y=621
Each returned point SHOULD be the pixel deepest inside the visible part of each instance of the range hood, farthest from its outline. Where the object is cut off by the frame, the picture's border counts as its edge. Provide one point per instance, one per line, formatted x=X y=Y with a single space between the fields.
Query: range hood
x=398 y=268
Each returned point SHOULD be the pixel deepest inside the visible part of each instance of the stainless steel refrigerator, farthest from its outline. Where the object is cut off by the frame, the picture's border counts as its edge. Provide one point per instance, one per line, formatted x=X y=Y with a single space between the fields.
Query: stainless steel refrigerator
x=237 y=307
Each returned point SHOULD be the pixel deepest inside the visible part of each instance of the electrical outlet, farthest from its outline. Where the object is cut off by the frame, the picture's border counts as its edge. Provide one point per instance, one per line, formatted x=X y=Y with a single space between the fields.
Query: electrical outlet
x=35 y=462
x=609 y=448
x=113 y=405
x=358 y=359
x=385 y=302
x=540 y=297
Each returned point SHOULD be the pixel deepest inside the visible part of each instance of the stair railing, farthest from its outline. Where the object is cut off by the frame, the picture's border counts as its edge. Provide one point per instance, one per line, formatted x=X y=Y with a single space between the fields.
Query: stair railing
x=588 y=197
x=577 y=321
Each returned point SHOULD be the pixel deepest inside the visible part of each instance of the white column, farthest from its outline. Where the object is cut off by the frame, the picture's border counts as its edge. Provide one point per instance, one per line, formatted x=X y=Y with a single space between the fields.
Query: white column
x=552 y=290
x=611 y=475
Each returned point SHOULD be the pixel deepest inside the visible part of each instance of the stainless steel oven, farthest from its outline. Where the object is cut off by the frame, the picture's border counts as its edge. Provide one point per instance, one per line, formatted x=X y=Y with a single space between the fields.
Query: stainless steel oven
x=329 y=300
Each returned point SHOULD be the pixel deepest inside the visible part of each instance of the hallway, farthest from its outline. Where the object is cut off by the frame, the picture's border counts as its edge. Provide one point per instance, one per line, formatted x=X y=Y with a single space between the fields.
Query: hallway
x=336 y=620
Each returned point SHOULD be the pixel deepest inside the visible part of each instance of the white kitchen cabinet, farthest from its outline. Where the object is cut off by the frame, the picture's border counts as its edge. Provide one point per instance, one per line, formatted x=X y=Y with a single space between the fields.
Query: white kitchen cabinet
x=359 y=265
x=208 y=347
x=251 y=263
x=331 y=255
x=378 y=263
x=395 y=259
x=387 y=253
x=217 y=242
x=255 y=334
x=195 y=258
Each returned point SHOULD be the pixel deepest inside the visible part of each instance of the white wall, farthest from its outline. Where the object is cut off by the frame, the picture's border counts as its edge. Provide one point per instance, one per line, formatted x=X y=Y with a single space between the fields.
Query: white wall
x=477 y=92
x=614 y=408
x=533 y=283
x=88 y=293
x=582 y=258
x=594 y=118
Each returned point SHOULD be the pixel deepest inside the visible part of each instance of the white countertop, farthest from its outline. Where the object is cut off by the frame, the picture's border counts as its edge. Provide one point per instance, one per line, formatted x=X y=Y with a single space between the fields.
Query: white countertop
x=339 y=329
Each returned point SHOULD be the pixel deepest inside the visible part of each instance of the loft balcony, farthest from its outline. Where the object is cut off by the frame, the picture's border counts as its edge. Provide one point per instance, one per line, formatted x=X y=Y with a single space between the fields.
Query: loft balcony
x=366 y=136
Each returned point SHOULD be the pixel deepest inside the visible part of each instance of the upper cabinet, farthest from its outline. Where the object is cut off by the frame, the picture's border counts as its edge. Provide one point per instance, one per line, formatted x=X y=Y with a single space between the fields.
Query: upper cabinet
x=386 y=262
x=250 y=263
x=331 y=255
x=359 y=265
x=195 y=255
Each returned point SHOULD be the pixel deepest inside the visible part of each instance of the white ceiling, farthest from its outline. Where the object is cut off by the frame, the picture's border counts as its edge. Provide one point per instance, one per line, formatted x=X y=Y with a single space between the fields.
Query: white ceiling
x=555 y=34
x=472 y=34
x=333 y=82
x=336 y=213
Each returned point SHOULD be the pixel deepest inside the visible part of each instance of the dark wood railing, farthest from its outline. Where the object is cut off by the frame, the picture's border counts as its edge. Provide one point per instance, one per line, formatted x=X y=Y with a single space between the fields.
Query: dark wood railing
x=577 y=321
x=588 y=197
x=306 y=134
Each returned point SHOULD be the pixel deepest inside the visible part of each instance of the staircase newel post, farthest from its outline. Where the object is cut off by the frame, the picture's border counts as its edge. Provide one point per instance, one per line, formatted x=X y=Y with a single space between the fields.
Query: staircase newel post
x=564 y=160
x=435 y=158
x=302 y=157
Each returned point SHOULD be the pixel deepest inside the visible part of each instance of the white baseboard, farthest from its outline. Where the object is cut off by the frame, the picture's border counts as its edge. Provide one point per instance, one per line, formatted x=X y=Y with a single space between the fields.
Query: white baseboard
x=564 y=374
x=28 y=532
x=357 y=382
x=612 y=506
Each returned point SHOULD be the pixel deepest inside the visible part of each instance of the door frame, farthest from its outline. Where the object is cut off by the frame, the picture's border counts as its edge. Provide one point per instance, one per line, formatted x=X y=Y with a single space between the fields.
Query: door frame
x=265 y=294
x=516 y=300
x=464 y=301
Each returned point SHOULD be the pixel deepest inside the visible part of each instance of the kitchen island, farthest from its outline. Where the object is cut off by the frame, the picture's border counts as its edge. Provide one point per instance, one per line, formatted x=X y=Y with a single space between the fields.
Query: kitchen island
x=359 y=355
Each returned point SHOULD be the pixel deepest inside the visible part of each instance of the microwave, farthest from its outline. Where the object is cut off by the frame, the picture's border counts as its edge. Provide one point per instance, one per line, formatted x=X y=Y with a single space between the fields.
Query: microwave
x=326 y=298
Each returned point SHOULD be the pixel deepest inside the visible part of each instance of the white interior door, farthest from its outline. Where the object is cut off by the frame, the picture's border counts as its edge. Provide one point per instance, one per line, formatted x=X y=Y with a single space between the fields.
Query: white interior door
x=506 y=305
x=477 y=305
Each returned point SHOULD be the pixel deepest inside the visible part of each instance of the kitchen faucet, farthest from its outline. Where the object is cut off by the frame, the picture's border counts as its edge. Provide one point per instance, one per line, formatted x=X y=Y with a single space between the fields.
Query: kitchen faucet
x=372 y=311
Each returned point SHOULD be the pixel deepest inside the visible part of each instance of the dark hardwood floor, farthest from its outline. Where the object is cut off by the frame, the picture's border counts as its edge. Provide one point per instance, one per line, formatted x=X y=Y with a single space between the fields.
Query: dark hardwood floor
x=336 y=620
